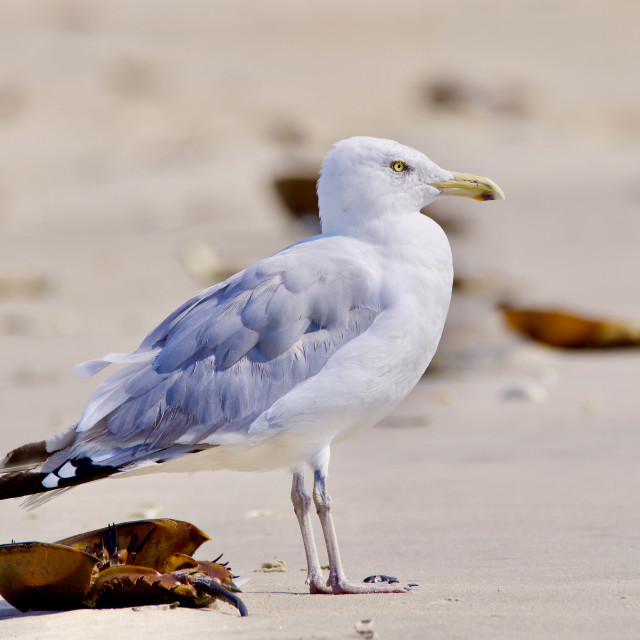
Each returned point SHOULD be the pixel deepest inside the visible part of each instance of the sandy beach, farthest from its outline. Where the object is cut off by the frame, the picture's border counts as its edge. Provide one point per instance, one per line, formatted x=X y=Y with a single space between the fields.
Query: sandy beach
x=139 y=145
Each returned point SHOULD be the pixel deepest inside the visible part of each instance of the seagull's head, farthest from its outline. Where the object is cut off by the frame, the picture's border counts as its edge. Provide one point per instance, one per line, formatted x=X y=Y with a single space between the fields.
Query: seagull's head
x=372 y=177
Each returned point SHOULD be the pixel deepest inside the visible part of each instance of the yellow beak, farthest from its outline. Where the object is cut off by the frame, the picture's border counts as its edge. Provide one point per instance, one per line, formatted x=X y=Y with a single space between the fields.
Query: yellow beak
x=469 y=185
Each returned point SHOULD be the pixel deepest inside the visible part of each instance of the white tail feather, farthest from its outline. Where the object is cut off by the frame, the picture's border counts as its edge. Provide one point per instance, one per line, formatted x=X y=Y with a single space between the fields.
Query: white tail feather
x=91 y=367
x=18 y=467
x=38 y=499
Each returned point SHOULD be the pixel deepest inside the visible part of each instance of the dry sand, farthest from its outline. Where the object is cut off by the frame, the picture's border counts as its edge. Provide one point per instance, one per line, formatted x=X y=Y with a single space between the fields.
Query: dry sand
x=131 y=131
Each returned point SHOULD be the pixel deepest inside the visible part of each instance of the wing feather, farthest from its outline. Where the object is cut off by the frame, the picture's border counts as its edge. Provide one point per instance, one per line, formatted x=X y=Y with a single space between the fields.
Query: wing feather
x=224 y=357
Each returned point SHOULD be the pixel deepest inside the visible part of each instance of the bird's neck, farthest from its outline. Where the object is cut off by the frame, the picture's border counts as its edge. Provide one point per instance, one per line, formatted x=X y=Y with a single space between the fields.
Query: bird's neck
x=395 y=230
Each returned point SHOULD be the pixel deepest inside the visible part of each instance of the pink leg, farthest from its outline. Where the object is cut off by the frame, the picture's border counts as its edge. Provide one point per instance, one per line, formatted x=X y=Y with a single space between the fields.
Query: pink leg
x=337 y=580
x=301 y=504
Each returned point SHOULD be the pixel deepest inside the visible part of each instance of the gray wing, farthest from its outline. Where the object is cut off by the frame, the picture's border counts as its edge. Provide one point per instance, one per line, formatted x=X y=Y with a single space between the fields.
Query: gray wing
x=224 y=357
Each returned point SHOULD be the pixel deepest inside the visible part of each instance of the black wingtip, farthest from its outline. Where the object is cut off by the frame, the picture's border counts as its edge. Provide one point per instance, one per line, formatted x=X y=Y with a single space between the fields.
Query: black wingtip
x=16 y=484
x=21 y=483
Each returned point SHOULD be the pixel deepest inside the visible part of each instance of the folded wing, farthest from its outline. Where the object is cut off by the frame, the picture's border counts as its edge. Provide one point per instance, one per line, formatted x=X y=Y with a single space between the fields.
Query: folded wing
x=204 y=375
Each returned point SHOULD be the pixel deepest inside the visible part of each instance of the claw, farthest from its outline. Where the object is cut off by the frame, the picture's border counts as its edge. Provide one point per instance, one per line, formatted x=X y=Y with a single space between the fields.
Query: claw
x=214 y=588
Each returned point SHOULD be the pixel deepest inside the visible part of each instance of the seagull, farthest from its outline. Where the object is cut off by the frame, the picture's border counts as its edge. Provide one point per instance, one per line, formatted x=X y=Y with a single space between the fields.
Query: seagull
x=266 y=369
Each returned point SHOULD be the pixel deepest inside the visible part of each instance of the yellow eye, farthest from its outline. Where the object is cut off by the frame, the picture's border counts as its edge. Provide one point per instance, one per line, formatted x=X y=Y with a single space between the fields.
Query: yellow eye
x=398 y=166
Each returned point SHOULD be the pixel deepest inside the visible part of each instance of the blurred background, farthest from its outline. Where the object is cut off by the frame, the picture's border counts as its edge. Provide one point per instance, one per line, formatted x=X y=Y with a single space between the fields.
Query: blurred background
x=151 y=148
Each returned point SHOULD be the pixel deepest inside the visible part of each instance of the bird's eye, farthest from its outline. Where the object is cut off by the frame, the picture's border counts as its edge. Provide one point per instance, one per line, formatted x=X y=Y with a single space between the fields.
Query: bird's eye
x=399 y=166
